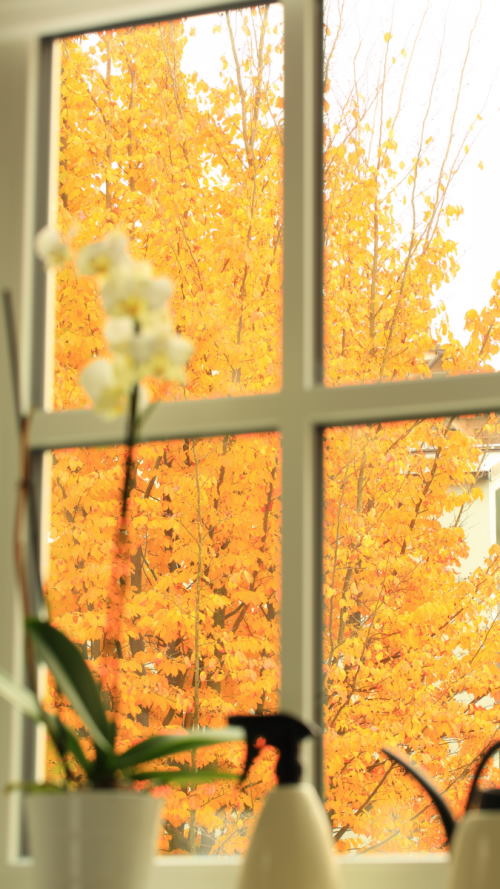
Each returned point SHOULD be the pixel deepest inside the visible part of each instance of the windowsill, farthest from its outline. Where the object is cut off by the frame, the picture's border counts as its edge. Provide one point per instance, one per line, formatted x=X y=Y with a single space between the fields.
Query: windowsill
x=377 y=871
x=411 y=871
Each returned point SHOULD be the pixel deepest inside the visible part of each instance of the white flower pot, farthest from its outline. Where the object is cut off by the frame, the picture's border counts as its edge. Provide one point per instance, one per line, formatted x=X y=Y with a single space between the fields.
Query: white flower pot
x=93 y=839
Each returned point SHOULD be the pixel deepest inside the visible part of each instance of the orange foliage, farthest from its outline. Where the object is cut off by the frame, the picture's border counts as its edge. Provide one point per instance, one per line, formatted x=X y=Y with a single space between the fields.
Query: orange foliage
x=409 y=638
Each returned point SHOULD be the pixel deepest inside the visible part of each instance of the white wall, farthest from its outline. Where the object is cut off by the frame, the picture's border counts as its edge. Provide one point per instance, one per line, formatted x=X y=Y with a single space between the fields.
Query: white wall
x=477 y=524
x=23 y=17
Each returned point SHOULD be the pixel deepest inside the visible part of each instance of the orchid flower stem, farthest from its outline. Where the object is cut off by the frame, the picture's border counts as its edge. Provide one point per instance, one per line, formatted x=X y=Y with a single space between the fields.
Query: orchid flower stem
x=25 y=512
x=12 y=348
x=129 y=461
x=20 y=551
x=121 y=555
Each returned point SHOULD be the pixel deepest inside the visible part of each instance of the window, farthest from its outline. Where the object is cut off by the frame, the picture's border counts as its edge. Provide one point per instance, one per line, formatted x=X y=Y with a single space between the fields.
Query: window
x=309 y=425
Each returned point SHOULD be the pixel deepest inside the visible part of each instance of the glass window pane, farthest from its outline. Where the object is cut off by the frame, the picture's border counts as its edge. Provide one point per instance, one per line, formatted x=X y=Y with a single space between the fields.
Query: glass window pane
x=411 y=180
x=411 y=633
x=172 y=132
x=180 y=620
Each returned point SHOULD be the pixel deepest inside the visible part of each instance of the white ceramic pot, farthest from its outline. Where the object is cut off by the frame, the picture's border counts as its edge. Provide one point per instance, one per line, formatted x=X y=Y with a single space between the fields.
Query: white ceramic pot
x=93 y=839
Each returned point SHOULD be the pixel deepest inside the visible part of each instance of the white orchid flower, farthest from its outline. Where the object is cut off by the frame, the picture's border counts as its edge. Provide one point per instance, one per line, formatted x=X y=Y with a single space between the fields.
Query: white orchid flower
x=102 y=257
x=109 y=385
x=132 y=290
x=50 y=247
x=163 y=352
x=120 y=332
x=153 y=350
x=178 y=350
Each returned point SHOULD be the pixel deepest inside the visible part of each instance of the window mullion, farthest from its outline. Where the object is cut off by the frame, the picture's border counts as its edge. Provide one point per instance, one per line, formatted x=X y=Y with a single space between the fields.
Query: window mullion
x=302 y=289
x=403 y=400
x=344 y=405
x=182 y=419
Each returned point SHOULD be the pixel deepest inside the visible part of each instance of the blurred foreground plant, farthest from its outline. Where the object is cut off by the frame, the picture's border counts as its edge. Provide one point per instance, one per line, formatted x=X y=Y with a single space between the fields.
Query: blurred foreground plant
x=142 y=342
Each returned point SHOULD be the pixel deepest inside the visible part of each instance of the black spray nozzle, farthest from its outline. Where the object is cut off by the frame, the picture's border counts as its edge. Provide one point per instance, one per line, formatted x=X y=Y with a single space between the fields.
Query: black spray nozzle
x=487 y=799
x=420 y=776
x=281 y=731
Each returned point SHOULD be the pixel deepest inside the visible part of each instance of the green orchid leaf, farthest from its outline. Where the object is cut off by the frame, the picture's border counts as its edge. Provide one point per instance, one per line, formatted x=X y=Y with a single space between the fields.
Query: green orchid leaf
x=184 y=777
x=102 y=770
x=66 y=741
x=20 y=696
x=165 y=745
x=74 y=679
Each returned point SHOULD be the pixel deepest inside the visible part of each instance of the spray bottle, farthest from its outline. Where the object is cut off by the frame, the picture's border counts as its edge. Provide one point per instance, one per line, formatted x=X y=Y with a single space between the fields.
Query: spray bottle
x=474 y=839
x=291 y=847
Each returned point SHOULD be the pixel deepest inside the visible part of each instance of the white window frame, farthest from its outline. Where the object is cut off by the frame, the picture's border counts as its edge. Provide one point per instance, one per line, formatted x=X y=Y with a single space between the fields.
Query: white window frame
x=298 y=412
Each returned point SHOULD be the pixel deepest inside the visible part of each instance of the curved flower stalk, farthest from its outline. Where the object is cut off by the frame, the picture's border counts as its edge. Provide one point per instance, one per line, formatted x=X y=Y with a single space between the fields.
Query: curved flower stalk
x=142 y=340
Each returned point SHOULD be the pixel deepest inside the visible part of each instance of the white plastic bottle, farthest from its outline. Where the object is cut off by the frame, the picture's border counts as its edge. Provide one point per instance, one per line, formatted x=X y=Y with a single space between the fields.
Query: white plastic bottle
x=291 y=847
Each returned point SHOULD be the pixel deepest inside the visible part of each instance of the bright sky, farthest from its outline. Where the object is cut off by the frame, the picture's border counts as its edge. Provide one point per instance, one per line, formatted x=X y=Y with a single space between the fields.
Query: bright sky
x=445 y=26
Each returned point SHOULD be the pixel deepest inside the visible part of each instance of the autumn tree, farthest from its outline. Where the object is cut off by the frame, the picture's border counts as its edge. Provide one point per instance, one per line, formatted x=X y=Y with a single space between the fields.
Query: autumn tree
x=407 y=635
x=182 y=173
x=192 y=172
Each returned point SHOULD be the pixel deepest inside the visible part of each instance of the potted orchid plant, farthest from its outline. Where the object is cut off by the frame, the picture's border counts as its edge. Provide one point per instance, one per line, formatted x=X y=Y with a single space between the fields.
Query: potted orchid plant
x=116 y=831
